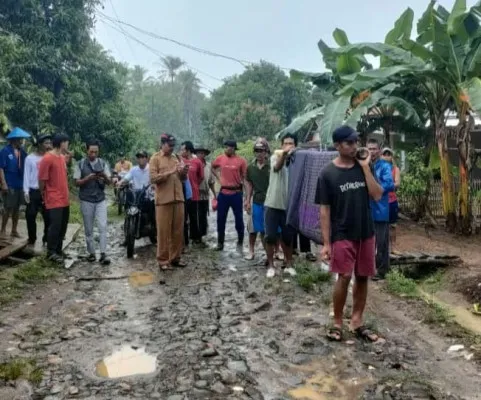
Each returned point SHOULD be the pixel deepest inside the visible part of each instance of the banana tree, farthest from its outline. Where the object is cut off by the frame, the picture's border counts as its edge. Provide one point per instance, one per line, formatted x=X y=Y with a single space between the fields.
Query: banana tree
x=443 y=63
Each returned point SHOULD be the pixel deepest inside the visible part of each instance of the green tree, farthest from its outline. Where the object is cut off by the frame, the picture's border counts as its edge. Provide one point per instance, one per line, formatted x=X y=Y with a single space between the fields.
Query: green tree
x=263 y=88
x=170 y=66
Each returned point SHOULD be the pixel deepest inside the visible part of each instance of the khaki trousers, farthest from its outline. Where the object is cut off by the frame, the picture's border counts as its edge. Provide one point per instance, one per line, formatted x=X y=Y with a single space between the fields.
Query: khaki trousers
x=170 y=232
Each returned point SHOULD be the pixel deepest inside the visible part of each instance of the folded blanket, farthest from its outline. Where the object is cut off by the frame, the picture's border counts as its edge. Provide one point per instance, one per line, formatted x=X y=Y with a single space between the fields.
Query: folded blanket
x=304 y=170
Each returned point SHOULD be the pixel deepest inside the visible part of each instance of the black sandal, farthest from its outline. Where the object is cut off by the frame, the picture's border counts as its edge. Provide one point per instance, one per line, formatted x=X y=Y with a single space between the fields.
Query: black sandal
x=334 y=334
x=363 y=332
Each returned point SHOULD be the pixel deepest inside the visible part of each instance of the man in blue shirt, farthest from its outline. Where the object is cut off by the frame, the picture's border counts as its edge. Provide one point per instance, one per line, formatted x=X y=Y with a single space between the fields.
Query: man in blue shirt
x=12 y=162
x=380 y=209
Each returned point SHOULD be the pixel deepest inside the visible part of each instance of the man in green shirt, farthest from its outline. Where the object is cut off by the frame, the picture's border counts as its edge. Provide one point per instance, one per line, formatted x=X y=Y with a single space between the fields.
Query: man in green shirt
x=257 y=183
x=276 y=205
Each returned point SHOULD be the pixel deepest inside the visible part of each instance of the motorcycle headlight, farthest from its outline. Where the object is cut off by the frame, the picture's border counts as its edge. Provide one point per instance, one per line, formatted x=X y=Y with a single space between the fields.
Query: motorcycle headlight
x=132 y=210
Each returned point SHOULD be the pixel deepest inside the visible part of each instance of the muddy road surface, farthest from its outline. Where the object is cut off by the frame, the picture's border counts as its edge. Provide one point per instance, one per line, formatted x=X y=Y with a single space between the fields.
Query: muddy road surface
x=217 y=329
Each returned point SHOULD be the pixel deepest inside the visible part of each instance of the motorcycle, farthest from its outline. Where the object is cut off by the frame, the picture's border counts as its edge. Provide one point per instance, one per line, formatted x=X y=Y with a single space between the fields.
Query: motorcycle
x=139 y=217
x=120 y=193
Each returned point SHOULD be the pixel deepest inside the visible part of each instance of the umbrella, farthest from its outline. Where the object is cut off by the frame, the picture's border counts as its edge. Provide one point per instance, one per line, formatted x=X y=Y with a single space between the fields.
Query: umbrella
x=18 y=133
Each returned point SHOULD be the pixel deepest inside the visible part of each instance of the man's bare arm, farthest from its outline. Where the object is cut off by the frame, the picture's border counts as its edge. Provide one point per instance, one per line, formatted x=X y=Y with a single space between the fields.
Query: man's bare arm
x=326 y=225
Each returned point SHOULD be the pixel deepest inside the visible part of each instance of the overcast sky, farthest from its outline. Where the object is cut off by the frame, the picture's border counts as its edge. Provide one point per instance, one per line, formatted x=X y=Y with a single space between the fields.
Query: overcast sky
x=284 y=32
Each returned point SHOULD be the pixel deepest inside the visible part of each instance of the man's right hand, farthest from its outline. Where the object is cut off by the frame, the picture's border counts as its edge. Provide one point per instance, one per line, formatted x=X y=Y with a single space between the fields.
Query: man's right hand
x=91 y=177
x=326 y=252
x=27 y=198
x=247 y=206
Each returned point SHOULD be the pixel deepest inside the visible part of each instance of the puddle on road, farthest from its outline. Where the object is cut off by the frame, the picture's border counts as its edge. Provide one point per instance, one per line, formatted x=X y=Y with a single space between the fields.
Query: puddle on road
x=462 y=316
x=326 y=387
x=141 y=278
x=128 y=361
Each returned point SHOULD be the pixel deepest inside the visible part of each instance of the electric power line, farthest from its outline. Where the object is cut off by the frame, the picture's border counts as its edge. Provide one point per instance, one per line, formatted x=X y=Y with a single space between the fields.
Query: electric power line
x=158 y=53
x=182 y=44
x=122 y=28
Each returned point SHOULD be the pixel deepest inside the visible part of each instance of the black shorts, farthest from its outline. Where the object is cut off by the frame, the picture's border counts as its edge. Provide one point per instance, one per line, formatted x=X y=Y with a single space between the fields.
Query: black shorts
x=13 y=199
x=275 y=219
x=393 y=212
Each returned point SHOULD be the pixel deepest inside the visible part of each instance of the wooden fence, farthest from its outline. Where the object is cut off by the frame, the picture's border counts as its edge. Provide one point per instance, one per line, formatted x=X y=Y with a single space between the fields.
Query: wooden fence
x=435 y=200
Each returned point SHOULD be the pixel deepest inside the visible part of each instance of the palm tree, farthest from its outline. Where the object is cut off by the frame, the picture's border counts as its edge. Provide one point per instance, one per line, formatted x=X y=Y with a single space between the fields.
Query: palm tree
x=190 y=84
x=170 y=66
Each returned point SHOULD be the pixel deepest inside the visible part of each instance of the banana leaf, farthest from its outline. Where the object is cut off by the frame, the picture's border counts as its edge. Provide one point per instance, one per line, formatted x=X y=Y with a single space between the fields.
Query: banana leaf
x=392 y=53
x=334 y=115
x=299 y=122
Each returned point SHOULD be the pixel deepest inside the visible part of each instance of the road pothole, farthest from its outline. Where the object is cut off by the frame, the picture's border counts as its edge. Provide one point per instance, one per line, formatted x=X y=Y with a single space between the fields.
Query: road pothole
x=127 y=361
x=141 y=278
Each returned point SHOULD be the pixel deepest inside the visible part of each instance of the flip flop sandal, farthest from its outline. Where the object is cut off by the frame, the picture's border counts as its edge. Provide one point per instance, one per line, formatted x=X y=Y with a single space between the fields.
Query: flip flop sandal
x=334 y=334
x=363 y=332
x=179 y=264
x=165 y=268
x=249 y=257
x=476 y=310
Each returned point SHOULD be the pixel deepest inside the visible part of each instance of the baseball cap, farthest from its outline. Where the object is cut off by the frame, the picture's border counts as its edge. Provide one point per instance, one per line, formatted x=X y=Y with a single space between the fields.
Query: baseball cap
x=344 y=133
x=142 y=153
x=387 y=150
x=166 y=138
x=231 y=143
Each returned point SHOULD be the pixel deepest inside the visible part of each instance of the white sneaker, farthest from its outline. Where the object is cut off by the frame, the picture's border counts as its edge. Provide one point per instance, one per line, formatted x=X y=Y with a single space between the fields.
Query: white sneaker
x=271 y=272
x=291 y=271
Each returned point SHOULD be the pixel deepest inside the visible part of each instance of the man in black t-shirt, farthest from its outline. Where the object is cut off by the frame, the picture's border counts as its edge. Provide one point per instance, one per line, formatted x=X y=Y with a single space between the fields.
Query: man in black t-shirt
x=344 y=189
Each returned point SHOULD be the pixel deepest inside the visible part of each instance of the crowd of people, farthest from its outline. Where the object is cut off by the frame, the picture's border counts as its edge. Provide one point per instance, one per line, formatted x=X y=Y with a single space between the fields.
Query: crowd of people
x=356 y=197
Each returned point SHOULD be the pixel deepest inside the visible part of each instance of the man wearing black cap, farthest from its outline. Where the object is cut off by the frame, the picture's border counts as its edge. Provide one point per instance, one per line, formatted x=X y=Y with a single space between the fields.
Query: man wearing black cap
x=167 y=172
x=31 y=191
x=344 y=190
x=233 y=171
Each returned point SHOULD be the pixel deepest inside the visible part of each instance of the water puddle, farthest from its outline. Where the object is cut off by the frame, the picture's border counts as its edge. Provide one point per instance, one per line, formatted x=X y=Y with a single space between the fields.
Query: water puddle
x=128 y=361
x=326 y=387
x=462 y=316
x=141 y=278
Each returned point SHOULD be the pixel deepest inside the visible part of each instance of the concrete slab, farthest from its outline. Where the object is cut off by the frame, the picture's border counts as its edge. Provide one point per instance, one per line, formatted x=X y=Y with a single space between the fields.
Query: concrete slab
x=72 y=231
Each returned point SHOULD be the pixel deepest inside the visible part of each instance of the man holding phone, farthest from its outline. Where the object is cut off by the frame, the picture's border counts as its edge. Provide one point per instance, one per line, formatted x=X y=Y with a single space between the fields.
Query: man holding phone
x=91 y=175
x=167 y=173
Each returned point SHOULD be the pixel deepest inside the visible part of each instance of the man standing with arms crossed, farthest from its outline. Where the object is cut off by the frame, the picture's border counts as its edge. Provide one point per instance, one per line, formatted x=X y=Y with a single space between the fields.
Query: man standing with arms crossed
x=167 y=172
x=345 y=188
x=233 y=170
x=53 y=184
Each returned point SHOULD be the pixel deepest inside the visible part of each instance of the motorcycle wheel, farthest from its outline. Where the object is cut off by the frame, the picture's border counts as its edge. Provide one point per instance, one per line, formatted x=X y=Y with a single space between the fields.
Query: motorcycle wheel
x=130 y=236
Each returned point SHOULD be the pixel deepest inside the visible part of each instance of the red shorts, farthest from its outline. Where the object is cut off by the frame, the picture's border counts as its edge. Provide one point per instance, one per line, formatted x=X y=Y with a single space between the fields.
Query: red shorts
x=358 y=256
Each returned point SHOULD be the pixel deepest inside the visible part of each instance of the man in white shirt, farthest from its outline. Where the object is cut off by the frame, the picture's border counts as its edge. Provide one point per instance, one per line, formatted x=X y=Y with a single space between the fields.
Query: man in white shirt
x=138 y=176
x=33 y=197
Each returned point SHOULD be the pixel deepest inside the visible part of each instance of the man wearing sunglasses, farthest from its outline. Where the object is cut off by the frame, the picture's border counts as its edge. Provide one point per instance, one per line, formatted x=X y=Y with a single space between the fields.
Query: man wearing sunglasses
x=167 y=173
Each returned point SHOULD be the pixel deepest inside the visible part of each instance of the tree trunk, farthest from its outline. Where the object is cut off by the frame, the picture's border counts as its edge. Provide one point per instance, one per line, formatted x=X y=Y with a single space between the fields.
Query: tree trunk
x=446 y=177
x=465 y=218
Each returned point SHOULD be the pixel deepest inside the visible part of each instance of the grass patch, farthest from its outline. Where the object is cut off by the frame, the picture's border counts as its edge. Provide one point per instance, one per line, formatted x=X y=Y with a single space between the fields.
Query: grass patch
x=434 y=283
x=436 y=314
x=75 y=214
x=14 y=280
x=308 y=275
x=398 y=284
x=21 y=368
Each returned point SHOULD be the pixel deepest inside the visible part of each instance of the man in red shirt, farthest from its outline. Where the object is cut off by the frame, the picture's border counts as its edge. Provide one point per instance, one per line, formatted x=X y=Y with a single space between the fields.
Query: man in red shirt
x=53 y=184
x=196 y=176
x=233 y=171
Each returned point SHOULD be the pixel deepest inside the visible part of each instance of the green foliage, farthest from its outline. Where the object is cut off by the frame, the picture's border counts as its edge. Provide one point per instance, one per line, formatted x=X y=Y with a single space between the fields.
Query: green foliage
x=400 y=285
x=21 y=368
x=171 y=103
x=436 y=313
x=417 y=177
x=308 y=275
x=245 y=149
x=259 y=102
x=55 y=77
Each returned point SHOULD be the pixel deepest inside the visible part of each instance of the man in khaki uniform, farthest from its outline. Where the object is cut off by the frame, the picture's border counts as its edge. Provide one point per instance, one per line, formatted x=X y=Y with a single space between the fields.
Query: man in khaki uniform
x=167 y=173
